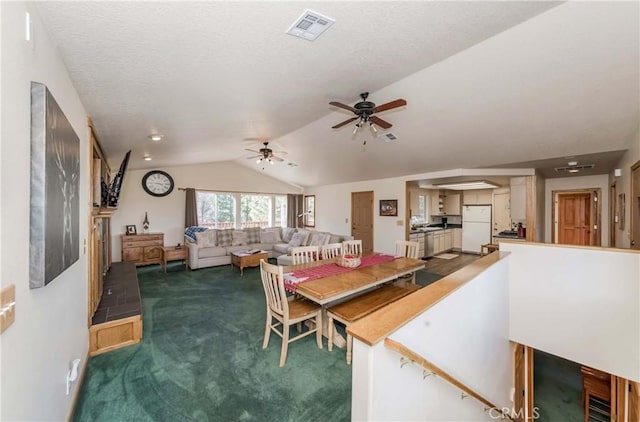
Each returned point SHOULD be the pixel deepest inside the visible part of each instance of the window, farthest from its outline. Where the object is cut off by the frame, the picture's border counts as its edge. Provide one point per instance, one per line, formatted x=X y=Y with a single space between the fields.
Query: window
x=216 y=210
x=310 y=210
x=255 y=211
x=422 y=206
x=238 y=210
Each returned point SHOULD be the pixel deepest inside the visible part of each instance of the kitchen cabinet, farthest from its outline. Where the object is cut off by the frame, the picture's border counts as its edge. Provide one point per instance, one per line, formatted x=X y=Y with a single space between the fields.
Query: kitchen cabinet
x=477 y=197
x=452 y=204
x=143 y=249
x=457 y=239
x=442 y=241
x=518 y=199
x=420 y=238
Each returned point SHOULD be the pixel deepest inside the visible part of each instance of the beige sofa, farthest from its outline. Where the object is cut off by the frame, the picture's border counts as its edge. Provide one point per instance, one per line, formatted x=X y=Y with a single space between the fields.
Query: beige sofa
x=212 y=247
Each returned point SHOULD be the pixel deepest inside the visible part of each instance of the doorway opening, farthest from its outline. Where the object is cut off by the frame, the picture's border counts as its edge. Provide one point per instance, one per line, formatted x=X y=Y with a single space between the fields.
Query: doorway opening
x=557 y=388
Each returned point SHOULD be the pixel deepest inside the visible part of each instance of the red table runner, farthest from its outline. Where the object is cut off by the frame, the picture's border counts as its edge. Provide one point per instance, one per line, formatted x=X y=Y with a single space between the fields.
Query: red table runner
x=313 y=273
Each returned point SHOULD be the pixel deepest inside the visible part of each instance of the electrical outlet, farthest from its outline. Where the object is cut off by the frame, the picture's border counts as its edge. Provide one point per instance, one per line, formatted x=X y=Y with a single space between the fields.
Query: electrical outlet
x=7 y=307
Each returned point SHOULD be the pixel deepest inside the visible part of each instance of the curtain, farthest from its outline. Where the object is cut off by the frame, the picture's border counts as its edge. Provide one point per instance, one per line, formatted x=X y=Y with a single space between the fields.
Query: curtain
x=190 y=213
x=295 y=207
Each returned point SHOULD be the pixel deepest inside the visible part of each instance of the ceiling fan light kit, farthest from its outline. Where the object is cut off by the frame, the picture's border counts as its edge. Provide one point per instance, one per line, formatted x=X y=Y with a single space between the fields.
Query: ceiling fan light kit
x=365 y=110
x=265 y=154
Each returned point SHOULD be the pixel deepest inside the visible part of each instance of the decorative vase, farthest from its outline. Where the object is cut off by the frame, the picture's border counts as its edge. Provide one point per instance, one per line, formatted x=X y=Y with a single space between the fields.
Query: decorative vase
x=145 y=223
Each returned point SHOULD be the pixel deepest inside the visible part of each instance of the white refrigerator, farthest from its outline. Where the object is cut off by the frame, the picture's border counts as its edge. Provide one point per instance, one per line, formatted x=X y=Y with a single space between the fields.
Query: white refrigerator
x=476 y=227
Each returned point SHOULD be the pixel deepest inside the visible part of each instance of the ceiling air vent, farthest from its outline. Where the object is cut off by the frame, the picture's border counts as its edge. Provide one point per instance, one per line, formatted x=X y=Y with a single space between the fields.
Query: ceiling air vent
x=310 y=25
x=576 y=168
x=388 y=137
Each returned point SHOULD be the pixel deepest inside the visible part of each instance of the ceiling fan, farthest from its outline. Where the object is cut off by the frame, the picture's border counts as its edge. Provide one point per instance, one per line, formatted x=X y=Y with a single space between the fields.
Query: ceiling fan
x=265 y=154
x=364 y=111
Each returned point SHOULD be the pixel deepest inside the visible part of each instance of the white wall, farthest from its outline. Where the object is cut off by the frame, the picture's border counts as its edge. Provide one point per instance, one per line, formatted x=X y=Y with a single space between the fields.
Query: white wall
x=333 y=209
x=465 y=334
x=50 y=329
x=582 y=304
x=582 y=182
x=166 y=214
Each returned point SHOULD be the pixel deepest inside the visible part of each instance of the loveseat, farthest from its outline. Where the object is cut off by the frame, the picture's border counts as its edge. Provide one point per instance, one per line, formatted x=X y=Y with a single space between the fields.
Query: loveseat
x=212 y=247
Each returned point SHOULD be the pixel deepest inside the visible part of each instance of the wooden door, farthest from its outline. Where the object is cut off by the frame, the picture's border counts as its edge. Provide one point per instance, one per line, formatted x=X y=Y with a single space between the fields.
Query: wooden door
x=634 y=204
x=634 y=403
x=574 y=219
x=362 y=218
x=501 y=212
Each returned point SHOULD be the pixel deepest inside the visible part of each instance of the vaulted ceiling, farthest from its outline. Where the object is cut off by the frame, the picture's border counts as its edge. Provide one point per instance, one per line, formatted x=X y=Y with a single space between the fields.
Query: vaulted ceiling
x=487 y=83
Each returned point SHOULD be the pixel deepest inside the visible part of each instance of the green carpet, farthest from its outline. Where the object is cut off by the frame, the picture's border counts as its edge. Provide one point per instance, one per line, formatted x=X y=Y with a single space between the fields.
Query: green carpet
x=201 y=358
x=557 y=388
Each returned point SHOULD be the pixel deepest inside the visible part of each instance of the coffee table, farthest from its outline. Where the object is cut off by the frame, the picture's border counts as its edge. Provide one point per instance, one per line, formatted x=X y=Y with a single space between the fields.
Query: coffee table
x=243 y=260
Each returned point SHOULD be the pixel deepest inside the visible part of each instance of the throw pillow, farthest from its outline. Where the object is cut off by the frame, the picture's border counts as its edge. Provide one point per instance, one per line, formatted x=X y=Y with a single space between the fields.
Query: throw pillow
x=239 y=238
x=298 y=239
x=206 y=238
x=319 y=239
x=269 y=237
x=253 y=234
x=225 y=237
x=274 y=230
x=307 y=234
x=287 y=234
x=190 y=232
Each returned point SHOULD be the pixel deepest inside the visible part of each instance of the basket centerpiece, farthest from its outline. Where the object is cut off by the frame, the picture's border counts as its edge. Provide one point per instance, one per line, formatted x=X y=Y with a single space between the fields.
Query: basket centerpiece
x=349 y=261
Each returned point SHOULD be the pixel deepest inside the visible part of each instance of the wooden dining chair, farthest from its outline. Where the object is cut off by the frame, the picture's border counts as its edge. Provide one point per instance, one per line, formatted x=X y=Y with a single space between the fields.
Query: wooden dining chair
x=407 y=249
x=352 y=247
x=332 y=250
x=304 y=254
x=286 y=311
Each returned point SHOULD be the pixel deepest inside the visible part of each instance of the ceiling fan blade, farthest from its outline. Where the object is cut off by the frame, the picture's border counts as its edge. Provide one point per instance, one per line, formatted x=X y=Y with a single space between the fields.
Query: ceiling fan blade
x=346 y=122
x=280 y=152
x=388 y=106
x=382 y=123
x=253 y=157
x=252 y=150
x=346 y=107
x=273 y=157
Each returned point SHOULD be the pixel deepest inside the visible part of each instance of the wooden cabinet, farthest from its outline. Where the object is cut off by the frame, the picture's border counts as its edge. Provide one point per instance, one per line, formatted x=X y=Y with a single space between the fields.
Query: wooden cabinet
x=143 y=249
x=443 y=241
x=420 y=238
x=452 y=204
x=436 y=202
x=477 y=197
x=457 y=239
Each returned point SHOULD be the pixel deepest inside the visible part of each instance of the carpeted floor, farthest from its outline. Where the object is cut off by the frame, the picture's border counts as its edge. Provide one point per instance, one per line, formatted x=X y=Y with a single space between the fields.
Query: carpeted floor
x=558 y=388
x=201 y=358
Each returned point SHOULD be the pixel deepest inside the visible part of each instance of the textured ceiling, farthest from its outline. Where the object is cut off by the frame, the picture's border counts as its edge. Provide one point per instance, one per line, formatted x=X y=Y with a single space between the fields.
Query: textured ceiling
x=487 y=83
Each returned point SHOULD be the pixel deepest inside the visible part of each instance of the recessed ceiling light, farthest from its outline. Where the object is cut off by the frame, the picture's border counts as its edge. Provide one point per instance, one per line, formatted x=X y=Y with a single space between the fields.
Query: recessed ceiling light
x=573 y=170
x=147 y=158
x=572 y=163
x=156 y=137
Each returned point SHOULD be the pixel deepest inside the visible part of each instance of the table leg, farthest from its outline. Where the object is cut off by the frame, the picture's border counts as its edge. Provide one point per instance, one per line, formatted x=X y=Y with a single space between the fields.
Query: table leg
x=338 y=340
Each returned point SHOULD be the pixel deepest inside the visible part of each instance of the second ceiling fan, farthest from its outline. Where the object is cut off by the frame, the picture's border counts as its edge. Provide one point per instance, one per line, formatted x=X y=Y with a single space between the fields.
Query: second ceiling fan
x=364 y=111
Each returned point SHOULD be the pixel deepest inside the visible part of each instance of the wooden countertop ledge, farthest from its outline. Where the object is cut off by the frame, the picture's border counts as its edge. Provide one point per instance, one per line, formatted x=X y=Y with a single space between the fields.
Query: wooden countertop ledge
x=380 y=324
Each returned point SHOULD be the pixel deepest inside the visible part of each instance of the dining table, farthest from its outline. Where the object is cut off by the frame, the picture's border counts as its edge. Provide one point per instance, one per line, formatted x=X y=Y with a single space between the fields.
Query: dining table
x=327 y=283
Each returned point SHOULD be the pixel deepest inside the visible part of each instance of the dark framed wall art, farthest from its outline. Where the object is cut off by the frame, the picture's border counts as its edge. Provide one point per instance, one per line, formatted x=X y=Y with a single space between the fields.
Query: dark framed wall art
x=55 y=176
x=389 y=207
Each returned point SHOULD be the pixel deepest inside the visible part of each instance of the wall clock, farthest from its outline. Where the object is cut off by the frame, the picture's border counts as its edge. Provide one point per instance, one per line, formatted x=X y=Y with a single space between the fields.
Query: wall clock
x=157 y=183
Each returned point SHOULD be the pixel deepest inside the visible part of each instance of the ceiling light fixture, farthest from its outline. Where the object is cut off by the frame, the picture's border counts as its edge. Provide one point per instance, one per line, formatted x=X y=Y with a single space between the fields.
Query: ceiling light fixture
x=573 y=170
x=147 y=158
x=572 y=163
x=156 y=137
x=480 y=184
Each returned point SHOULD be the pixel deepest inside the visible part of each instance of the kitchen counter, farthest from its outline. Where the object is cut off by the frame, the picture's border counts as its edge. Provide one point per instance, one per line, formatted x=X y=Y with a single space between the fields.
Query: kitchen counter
x=508 y=236
x=435 y=228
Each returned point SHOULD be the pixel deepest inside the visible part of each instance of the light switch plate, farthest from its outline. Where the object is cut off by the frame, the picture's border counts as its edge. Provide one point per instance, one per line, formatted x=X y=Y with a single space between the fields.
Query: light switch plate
x=7 y=307
x=400 y=222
